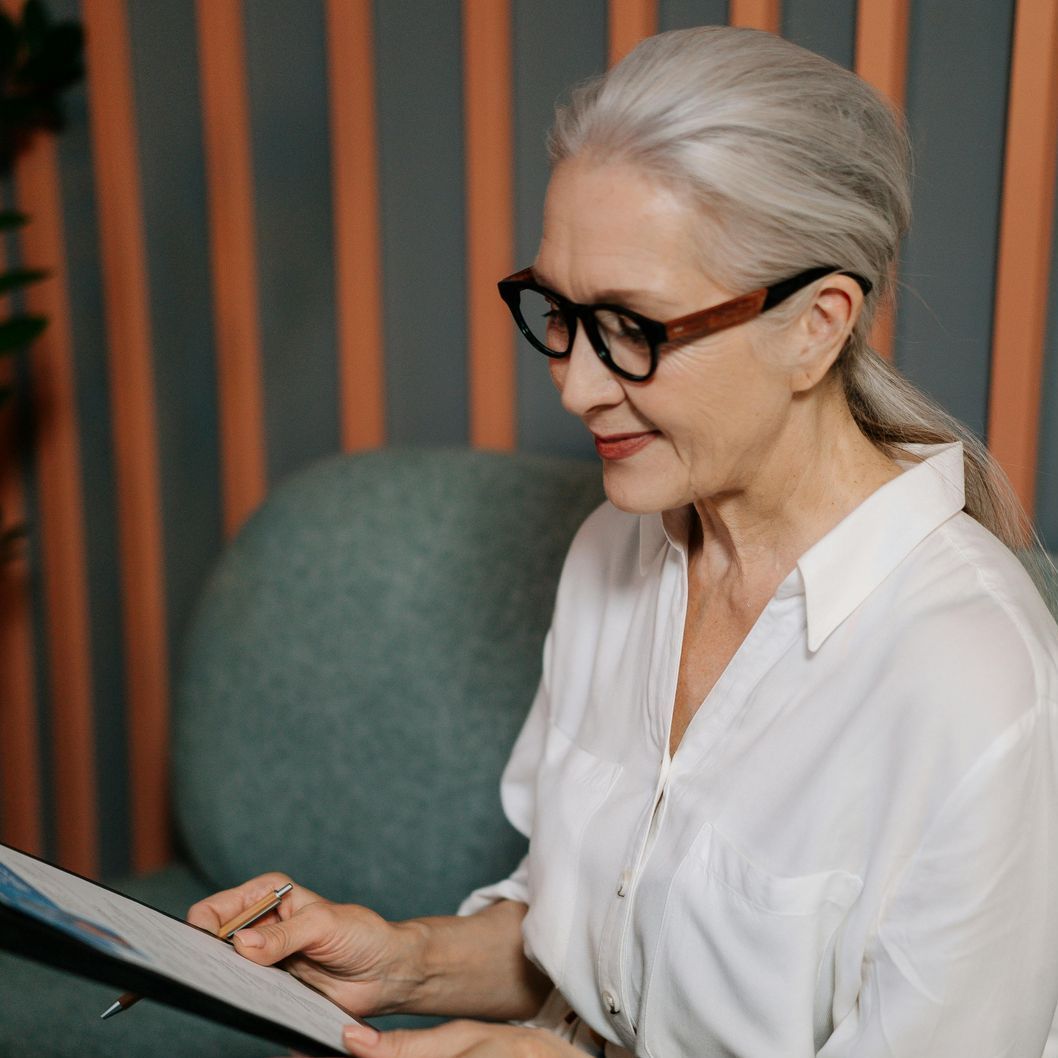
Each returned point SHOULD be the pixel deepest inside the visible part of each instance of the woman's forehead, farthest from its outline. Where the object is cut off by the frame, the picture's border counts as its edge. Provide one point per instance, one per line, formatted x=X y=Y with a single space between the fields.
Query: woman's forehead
x=611 y=201
x=609 y=227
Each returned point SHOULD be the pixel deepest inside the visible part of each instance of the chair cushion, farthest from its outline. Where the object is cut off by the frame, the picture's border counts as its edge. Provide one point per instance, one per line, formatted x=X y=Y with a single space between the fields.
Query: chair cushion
x=359 y=667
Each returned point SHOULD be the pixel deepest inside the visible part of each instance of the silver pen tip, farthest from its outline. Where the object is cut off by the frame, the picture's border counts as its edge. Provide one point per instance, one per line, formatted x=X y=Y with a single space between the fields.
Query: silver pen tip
x=114 y=1008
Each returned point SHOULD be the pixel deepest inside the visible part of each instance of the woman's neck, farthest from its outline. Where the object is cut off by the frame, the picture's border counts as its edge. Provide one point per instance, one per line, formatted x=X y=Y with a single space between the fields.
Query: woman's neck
x=821 y=468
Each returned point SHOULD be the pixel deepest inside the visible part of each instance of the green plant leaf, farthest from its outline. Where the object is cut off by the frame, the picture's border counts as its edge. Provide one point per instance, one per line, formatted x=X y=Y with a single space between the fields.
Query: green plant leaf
x=21 y=277
x=8 y=45
x=10 y=218
x=34 y=110
x=35 y=23
x=19 y=332
x=66 y=46
x=17 y=110
x=58 y=62
x=10 y=539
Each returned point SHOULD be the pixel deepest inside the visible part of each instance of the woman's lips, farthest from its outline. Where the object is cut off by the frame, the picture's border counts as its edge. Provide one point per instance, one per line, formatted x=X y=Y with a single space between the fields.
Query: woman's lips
x=622 y=445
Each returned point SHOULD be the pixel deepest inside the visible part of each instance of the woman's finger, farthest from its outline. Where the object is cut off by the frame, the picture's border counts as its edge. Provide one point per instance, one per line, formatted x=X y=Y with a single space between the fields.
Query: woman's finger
x=222 y=907
x=309 y=929
x=444 y=1041
x=454 y=1039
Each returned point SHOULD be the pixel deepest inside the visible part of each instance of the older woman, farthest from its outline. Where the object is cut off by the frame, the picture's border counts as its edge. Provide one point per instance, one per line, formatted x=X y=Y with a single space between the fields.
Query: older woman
x=790 y=778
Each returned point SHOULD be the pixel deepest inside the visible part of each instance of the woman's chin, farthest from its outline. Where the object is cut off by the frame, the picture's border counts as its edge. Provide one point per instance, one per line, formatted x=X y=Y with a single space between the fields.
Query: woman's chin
x=636 y=493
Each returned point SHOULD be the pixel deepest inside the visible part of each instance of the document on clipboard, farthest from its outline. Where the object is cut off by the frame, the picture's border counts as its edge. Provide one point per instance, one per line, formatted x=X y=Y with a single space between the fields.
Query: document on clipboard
x=59 y=918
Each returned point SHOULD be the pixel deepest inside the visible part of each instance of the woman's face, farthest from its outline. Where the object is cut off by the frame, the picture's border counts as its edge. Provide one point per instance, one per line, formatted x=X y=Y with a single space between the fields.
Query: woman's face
x=714 y=409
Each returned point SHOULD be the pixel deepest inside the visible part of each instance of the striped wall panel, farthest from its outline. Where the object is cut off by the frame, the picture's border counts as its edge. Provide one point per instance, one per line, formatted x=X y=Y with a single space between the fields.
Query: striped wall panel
x=60 y=518
x=122 y=258
x=20 y=777
x=354 y=187
x=1026 y=231
x=490 y=230
x=233 y=260
x=275 y=229
x=881 y=60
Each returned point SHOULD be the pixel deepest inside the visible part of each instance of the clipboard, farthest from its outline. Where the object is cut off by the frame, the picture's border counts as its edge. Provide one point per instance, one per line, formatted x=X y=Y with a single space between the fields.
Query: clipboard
x=60 y=919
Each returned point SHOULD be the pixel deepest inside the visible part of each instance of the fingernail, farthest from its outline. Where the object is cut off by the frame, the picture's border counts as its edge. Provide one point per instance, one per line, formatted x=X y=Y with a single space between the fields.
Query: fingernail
x=362 y=1034
x=250 y=938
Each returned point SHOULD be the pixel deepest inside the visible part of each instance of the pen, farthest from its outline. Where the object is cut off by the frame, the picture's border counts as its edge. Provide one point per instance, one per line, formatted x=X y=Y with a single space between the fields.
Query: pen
x=246 y=918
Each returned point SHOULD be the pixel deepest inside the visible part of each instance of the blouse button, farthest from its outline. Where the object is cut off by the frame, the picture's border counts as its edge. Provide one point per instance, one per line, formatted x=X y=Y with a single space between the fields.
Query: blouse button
x=611 y=1002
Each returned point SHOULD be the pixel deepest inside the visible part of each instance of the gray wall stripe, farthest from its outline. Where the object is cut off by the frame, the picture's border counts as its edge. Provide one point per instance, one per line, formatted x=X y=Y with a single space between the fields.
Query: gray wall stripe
x=286 y=61
x=168 y=112
x=958 y=64
x=84 y=278
x=419 y=83
x=685 y=14
x=556 y=44
x=824 y=26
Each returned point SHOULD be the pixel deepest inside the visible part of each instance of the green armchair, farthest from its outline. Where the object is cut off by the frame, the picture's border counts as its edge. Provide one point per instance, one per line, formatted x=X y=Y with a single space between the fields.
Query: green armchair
x=358 y=667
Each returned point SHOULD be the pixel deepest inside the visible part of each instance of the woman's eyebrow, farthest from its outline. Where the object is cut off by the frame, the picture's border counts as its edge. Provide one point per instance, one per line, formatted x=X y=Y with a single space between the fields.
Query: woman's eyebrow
x=626 y=297
x=608 y=295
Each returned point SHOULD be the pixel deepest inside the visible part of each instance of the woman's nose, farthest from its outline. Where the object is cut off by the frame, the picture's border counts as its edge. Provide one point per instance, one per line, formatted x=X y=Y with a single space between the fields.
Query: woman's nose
x=583 y=381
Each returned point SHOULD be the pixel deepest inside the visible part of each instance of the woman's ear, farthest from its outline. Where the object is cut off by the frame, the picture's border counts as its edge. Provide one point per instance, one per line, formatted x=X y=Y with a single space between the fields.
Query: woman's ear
x=824 y=328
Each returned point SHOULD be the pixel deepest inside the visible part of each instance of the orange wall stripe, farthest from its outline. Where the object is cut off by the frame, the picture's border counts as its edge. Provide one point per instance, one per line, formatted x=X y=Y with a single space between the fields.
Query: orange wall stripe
x=881 y=47
x=124 y=275
x=229 y=180
x=881 y=60
x=20 y=803
x=58 y=469
x=490 y=229
x=630 y=21
x=358 y=266
x=1026 y=220
x=756 y=14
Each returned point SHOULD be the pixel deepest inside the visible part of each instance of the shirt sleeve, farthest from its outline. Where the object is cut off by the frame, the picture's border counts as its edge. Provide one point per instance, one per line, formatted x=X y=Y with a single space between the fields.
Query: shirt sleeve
x=518 y=794
x=963 y=959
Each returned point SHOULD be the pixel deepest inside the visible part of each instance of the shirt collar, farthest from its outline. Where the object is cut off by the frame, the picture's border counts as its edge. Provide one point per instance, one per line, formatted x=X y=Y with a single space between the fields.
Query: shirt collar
x=840 y=570
x=654 y=537
x=846 y=565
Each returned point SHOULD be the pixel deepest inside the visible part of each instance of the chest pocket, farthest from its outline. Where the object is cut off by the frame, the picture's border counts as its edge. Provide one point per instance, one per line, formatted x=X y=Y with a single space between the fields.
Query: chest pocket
x=571 y=786
x=741 y=957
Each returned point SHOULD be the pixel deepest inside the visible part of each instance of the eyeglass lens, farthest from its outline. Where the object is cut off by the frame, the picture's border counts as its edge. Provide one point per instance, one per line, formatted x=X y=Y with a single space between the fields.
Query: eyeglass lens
x=550 y=325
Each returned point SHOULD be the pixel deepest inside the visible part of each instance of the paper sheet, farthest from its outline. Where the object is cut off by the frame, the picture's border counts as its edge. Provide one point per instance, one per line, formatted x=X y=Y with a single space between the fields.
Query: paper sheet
x=138 y=934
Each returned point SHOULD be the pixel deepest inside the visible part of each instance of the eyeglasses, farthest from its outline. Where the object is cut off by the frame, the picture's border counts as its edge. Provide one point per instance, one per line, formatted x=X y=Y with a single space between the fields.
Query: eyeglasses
x=626 y=342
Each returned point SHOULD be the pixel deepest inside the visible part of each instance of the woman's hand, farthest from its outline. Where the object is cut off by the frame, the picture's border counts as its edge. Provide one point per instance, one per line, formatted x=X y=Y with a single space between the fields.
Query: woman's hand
x=458 y=1039
x=362 y=962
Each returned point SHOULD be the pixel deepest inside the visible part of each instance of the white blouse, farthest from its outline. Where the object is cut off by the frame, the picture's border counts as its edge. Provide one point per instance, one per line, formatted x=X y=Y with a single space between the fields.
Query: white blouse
x=854 y=850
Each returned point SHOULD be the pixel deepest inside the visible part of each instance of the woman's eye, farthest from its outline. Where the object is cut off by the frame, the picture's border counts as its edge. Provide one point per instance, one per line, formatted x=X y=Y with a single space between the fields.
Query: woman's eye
x=623 y=329
x=630 y=331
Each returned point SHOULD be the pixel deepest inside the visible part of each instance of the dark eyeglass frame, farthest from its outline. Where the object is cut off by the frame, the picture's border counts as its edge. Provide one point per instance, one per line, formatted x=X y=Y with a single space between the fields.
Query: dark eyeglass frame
x=685 y=328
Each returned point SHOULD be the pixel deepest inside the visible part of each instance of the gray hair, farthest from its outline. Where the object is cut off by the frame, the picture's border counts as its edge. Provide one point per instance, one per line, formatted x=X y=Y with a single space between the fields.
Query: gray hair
x=791 y=162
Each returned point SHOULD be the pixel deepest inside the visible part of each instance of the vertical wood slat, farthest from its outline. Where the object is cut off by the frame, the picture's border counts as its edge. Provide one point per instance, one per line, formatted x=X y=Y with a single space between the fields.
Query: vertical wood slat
x=630 y=21
x=756 y=14
x=229 y=181
x=358 y=264
x=490 y=227
x=1026 y=222
x=124 y=268
x=60 y=503
x=20 y=800
x=881 y=60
